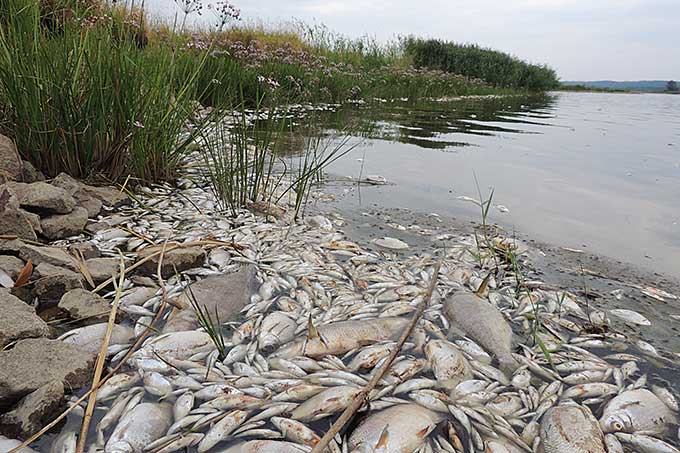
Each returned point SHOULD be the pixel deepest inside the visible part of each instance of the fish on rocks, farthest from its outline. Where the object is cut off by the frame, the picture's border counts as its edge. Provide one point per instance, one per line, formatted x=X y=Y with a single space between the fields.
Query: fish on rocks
x=265 y=446
x=484 y=323
x=400 y=429
x=637 y=411
x=570 y=428
x=343 y=336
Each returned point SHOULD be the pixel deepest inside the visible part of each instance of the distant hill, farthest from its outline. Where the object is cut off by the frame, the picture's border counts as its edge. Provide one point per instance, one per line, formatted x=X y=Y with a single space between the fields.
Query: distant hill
x=633 y=85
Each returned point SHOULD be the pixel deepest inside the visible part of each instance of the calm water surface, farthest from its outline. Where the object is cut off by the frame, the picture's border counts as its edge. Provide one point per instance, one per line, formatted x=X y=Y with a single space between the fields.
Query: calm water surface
x=599 y=172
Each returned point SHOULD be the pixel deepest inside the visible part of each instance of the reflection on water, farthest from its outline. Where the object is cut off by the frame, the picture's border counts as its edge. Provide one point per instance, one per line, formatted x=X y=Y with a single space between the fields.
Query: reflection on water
x=599 y=172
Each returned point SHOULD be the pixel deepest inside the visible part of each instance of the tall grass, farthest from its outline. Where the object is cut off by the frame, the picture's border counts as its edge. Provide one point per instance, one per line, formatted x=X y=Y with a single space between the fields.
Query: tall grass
x=494 y=67
x=246 y=160
x=85 y=99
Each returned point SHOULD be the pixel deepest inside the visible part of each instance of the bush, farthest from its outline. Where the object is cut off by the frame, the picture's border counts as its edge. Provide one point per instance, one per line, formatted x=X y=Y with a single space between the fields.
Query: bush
x=496 y=68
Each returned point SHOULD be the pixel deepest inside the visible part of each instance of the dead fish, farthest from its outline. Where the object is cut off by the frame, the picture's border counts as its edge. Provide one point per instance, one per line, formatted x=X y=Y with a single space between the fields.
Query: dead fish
x=139 y=427
x=570 y=428
x=296 y=431
x=325 y=403
x=7 y=444
x=630 y=316
x=484 y=323
x=221 y=429
x=266 y=446
x=646 y=444
x=276 y=329
x=179 y=345
x=400 y=428
x=447 y=363
x=637 y=411
x=341 y=337
x=91 y=337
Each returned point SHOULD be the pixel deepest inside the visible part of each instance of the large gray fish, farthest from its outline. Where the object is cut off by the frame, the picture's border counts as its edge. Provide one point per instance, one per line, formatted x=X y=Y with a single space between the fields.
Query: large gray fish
x=397 y=429
x=341 y=337
x=637 y=411
x=484 y=323
x=570 y=429
x=144 y=424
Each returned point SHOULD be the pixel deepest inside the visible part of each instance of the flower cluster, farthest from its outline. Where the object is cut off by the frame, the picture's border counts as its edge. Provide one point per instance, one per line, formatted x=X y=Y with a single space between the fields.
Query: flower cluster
x=226 y=12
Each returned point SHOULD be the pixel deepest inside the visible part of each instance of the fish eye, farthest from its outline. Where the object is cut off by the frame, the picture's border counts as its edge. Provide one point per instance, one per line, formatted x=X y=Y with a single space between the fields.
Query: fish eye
x=618 y=426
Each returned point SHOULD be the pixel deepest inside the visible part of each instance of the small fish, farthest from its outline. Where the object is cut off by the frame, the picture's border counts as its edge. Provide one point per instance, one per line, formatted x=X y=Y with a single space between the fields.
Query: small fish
x=637 y=411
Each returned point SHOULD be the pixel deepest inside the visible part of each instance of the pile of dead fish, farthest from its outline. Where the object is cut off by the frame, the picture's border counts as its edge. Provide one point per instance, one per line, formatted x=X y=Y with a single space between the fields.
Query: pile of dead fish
x=477 y=375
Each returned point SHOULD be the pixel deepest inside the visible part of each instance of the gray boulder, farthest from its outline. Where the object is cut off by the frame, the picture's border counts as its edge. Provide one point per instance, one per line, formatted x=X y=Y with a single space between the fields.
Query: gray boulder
x=11 y=265
x=10 y=162
x=35 y=362
x=36 y=253
x=102 y=269
x=13 y=221
x=61 y=226
x=29 y=173
x=80 y=303
x=34 y=411
x=176 y=260
x=51 y=288
x=78 y=191
x=224 y=294
x=43 y=197
x=18 y=320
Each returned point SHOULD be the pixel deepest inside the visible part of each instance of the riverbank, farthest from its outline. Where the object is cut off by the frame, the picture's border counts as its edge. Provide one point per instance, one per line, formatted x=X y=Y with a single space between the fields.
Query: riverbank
x=240 y=318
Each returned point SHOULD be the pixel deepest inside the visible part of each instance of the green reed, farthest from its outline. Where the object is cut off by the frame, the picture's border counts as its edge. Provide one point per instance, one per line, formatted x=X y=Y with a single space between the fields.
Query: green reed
x=494 y=67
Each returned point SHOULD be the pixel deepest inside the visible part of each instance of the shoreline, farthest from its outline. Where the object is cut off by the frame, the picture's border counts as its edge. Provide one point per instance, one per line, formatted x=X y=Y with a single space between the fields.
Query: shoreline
x=324 y=270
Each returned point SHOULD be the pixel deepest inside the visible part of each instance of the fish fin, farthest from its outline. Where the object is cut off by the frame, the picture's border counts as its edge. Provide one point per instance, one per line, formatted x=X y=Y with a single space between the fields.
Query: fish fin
x=312 y=331
x=384 y=438
x=483 y=285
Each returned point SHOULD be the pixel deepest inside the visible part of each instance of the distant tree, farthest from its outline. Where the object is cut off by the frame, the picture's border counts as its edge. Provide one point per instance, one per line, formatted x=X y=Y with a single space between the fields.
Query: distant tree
x=672 y=85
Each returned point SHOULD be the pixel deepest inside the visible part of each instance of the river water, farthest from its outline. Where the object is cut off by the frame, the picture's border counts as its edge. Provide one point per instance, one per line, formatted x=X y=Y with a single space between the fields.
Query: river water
x=590 y=171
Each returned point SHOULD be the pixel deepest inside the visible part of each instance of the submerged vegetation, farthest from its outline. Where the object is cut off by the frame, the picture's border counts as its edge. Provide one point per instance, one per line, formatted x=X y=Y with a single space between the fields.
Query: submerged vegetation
x=100 y=91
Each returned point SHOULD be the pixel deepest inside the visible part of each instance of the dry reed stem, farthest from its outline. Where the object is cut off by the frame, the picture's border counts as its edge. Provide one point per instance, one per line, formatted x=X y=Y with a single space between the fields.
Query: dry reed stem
x=101 y=359
x=361 y=398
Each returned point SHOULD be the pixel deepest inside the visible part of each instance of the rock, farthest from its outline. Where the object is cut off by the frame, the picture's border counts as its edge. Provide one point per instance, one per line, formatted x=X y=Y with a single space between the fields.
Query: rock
x=48 y=270
x=90 y=338
x=66 y=225
x=84 y=198
x=85 y=249
x=34 y=220
x=266 y=209
x=29 y=173
x=7 y=444
x=10 y=162
x=224 y=294
x=43 y=197
x=34 y=411
x=176 y=260
x=49 y=290
x=18 y=320
x=109 y=196
x=35 y=362
x=12 y=220
x=80 y=303
x=37 y=254
x=11 y=265
x=102 y=269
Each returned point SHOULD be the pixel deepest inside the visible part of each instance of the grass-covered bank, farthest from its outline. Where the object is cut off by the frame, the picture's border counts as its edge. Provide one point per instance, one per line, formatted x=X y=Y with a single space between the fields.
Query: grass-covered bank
x=95 y=90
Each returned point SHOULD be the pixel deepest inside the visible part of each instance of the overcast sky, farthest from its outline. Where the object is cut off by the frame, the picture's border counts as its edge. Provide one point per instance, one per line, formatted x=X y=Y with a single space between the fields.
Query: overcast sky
x=581 y=39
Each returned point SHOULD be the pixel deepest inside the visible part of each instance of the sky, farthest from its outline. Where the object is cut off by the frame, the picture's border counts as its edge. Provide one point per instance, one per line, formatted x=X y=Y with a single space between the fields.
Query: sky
x=580 y=39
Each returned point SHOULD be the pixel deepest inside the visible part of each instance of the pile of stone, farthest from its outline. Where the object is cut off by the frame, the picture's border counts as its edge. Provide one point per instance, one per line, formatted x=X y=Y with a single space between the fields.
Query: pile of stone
x=35 y=368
